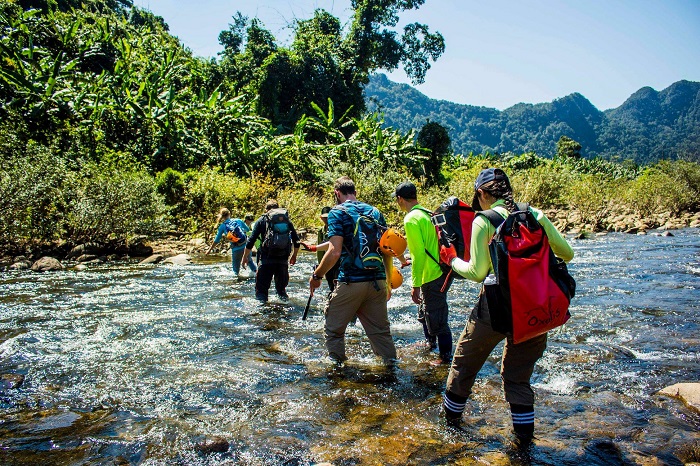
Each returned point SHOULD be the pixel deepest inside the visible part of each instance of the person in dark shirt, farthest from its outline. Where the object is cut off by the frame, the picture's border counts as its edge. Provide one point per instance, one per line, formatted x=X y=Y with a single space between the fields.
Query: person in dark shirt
x=279 y=239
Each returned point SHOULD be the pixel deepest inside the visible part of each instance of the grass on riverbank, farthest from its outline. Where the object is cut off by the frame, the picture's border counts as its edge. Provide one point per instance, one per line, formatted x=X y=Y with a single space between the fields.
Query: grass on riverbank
x=46 y=200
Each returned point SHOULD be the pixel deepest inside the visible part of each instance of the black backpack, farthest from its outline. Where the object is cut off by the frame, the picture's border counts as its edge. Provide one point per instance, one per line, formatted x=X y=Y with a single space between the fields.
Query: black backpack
x=277 y=241
x=453 y=224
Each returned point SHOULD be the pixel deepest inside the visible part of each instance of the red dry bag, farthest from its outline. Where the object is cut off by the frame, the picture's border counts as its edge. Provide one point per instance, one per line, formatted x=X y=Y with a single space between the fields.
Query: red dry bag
x=534 y=287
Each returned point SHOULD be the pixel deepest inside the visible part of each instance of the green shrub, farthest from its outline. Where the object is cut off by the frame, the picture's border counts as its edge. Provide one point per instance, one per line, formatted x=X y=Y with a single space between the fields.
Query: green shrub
x=33 y=187
x=171 y=185
x=542 y=186
x=656 y=191
x=593 y=196
x=208 y=190
x=109 y=204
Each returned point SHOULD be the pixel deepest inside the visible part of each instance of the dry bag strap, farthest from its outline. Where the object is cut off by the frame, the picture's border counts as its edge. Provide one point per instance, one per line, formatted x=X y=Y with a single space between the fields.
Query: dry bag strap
x=496 y=219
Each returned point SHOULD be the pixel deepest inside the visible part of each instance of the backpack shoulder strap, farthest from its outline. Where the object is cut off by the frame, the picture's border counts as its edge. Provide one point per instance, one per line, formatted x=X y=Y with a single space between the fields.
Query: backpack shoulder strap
x=494 y=217
x=524 y=206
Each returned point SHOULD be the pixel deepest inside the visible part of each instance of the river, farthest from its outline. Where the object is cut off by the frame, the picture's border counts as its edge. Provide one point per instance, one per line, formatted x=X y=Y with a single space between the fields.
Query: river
x=129 y=364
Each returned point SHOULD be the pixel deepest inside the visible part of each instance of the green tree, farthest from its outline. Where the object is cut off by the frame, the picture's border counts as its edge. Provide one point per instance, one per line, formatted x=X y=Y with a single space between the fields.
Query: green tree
x=324 y=61
x=568 y=148
x=433 y=136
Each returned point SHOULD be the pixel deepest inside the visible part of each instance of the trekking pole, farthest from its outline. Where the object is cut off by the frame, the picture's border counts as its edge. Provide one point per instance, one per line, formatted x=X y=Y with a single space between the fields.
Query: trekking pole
x=308 y=303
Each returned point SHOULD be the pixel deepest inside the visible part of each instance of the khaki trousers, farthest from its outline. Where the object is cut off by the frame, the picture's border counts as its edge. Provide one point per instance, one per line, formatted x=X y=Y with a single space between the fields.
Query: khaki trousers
x=367 y=300
x=476 y=343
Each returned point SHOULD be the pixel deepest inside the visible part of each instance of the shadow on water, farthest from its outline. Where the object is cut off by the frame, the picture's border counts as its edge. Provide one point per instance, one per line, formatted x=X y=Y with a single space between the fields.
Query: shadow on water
x=126 y=364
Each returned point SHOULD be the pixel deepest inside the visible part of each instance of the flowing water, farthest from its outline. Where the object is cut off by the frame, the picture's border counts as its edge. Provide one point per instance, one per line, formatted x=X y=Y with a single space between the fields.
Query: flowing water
x=129 y=364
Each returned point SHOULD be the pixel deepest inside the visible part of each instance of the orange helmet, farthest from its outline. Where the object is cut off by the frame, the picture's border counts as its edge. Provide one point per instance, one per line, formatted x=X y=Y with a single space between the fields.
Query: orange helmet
x=396 y=278
x=392 y=243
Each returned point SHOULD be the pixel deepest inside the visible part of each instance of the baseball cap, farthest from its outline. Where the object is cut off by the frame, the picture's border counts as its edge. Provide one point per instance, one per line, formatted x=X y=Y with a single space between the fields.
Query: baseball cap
x=407 y=190
x=490 y=174
x=324 y=211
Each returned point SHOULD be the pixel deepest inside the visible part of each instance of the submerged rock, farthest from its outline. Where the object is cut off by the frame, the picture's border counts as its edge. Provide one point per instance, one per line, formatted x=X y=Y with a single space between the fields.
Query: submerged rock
x=215 y=445
x=11 y=380
x=687 y=392
x=152 y=259
x=180 y=259
x=47 y=264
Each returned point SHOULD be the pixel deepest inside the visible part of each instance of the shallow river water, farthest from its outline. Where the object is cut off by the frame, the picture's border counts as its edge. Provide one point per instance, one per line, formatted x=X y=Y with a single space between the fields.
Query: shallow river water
x=129 y=364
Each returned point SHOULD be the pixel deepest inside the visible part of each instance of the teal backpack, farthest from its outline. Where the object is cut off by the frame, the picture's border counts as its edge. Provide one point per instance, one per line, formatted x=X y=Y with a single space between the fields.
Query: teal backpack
x=365 y=252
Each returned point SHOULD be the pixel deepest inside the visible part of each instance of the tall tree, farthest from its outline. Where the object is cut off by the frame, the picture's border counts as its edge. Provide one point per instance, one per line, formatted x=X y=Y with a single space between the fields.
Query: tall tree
x=433 y=136
x=325 y=63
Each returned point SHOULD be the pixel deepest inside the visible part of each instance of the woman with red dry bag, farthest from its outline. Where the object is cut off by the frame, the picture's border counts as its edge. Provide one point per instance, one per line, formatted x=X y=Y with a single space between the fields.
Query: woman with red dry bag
x=528 y=245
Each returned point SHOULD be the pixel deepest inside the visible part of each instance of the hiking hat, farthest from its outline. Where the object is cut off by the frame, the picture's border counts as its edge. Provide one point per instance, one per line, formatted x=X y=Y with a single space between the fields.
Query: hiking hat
x=249 y=216
x=324 y=212
x=407 y=190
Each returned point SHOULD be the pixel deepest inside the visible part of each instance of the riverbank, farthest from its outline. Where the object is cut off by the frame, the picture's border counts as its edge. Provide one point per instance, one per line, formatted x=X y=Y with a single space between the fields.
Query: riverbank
x=571 y=222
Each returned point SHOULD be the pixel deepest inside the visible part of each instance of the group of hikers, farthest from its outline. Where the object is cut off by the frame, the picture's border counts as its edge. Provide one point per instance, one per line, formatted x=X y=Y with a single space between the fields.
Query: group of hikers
x=359 y=275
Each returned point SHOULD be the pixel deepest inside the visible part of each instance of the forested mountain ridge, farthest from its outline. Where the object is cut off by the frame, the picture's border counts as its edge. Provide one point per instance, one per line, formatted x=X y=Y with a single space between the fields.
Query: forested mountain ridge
x=650 y=125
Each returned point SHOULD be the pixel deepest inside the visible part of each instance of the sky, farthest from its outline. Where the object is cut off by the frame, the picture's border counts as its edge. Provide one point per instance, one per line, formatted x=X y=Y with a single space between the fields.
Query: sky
x=500 y=52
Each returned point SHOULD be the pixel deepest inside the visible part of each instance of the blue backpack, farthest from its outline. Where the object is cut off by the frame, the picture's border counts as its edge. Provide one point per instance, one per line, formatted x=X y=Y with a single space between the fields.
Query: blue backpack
x=364 y=252
x=234 y=232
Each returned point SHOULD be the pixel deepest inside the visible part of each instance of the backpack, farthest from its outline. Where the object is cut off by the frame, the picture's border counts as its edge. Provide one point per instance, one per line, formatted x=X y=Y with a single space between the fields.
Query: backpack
x=277 y=241
x=234 y=232
x=453 y=224
x=534 y=287
x=365 y=252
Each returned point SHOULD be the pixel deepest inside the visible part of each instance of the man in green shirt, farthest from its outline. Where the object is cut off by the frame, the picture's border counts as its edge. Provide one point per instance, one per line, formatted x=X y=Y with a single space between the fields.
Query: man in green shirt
x=427 y=276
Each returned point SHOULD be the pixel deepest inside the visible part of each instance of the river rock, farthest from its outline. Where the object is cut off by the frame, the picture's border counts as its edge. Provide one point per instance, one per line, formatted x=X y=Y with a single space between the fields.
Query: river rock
x=140 y=250
x=215 y=445
x=80 y=267
x=152 y=259
x=87 y=248
x=21 y=265
x=180 y=259
x=86 y=257
x=47 y=264
x=197 y=242
x=688 y=392
x=10 y=381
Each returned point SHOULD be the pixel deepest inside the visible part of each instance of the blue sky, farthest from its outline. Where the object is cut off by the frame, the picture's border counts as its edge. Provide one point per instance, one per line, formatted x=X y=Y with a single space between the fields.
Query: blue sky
x=502 y=52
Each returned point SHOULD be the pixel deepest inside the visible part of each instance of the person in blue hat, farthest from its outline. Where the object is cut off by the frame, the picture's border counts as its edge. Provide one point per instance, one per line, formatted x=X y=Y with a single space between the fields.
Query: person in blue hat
x=492 y=190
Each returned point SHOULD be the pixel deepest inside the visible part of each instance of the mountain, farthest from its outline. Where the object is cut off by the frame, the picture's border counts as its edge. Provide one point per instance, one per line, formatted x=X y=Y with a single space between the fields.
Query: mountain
x=648 y=126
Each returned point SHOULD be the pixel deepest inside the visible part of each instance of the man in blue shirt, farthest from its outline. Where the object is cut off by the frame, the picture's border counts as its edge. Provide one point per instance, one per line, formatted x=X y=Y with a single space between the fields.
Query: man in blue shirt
x=361 y=292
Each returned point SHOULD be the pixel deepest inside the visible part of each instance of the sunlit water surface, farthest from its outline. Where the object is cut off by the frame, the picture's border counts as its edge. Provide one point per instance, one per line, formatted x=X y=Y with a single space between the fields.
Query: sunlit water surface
x=129 y=364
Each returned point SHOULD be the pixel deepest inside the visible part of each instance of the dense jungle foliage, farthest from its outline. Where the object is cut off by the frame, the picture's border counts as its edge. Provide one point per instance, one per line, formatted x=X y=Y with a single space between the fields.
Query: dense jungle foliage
x=649 y=126
x=110 y=128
